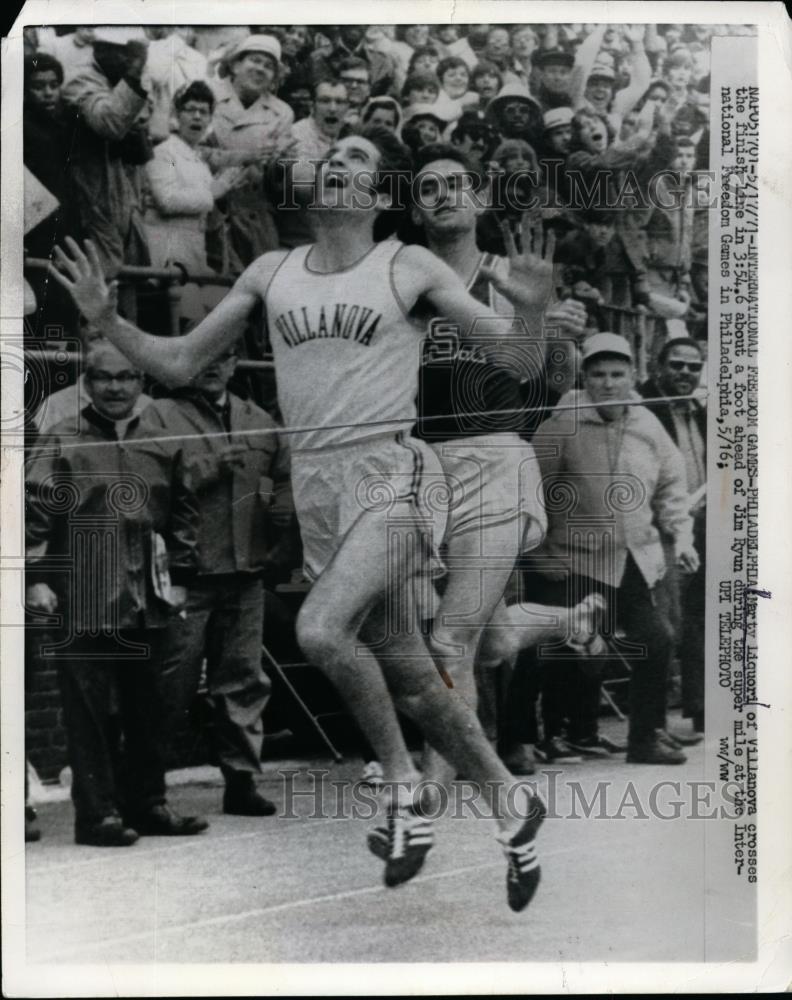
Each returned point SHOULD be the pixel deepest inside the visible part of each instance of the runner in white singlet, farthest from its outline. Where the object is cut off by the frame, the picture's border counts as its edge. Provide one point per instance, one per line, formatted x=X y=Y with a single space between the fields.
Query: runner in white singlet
x=362 y=594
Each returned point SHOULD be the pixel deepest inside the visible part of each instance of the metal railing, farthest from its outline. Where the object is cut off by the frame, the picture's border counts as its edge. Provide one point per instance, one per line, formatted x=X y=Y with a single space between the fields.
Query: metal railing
x=637 y=325
x=171 y=279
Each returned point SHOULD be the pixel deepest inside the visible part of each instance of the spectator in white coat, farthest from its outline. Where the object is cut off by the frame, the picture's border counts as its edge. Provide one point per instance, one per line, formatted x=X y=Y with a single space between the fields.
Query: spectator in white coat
x=181 y=187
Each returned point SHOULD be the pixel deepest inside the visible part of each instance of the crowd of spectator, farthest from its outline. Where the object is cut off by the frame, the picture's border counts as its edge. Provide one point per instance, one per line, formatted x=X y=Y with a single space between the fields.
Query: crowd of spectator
x=167 y=145
x=175 y=146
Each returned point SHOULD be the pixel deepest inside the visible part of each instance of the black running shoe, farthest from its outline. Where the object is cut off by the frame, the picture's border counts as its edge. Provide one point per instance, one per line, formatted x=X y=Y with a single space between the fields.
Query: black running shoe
x=378 y=842
x=403 y=845
x=524 y=873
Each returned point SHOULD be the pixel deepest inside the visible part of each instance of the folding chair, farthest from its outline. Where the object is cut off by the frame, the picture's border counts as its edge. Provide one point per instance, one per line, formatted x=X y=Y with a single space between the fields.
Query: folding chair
x=312 y=717
x=612 y=681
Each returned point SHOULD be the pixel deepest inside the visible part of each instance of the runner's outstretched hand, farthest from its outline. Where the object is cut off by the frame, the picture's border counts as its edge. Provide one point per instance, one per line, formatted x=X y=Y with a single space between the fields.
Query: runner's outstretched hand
x=82 y=276
x=529 y=282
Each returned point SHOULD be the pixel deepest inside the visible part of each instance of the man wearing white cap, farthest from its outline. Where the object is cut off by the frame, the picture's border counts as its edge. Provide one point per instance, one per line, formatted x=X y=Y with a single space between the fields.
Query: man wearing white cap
x=625 y=474
x=558 y=130
x=593 y=82
x=427 y=123
x=252 y=127
x=108 y=96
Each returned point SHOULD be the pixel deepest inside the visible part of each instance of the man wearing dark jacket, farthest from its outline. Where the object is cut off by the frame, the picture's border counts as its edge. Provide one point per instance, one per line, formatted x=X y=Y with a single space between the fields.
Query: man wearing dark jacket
x=679 y=367
x=110 y=542
x=105 y=100
x=240 y=471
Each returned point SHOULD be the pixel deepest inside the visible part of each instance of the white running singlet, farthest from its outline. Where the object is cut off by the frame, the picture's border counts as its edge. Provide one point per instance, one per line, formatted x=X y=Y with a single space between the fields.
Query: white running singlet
x=344 y=350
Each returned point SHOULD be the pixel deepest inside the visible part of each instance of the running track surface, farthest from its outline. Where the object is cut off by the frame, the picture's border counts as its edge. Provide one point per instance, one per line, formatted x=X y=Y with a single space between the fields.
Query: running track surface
x=307 y=890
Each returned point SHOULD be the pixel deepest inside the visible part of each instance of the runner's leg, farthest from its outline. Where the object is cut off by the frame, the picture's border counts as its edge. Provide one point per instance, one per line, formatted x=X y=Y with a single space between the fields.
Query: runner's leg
x=352 y=584
x=474 y=589
x=358 y=577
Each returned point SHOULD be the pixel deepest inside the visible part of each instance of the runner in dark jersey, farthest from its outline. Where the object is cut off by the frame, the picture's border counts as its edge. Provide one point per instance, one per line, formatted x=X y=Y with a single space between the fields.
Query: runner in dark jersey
x=472 y=393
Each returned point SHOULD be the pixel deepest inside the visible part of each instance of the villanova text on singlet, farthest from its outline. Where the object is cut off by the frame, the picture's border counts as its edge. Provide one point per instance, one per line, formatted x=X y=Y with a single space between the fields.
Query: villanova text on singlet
x=462 y=392
x=344 y=351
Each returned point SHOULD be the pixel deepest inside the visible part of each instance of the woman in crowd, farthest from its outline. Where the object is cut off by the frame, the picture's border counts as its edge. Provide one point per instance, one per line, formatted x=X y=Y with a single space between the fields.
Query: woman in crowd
x=383 y=111
x=420 y=89
x=251 y=127
x=486 y=80
x=424 y=61
x=181 y=187
x=524 y=43
x=454 y=77
x=678 y=73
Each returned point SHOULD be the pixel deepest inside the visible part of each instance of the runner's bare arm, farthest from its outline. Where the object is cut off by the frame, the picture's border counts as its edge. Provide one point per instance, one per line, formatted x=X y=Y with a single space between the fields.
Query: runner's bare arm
x=528 y=283
x=171 y=360
x=418 y=272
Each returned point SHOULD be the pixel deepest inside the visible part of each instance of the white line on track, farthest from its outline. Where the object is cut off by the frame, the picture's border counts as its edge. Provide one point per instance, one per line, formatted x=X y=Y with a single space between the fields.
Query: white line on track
x=262 y=911
x=140 y=853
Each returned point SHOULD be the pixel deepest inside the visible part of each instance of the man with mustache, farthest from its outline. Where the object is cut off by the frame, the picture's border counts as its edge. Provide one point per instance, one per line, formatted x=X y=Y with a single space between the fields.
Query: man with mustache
x=679 y=368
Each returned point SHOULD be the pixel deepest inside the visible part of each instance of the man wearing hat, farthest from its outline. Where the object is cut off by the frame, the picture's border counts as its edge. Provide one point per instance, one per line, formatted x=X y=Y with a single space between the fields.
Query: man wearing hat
x=553 y=71
x=593 y=82
x=475 y=137
x=625 y=480
x=358 y=41
x=558 y=130
x=252 y=128
x=426 y=122
x=106 y=99
x=600 y=87
x=516 y=114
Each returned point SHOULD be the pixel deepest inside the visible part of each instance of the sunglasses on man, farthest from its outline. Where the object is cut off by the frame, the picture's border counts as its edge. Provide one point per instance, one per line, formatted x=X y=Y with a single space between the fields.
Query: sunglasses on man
x=692 y=366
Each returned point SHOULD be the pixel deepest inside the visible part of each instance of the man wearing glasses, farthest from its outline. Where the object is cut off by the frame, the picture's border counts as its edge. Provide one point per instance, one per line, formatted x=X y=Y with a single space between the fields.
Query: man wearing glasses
x=113 y=509
x=355 y=75
x=679 y=367
x=239 y=471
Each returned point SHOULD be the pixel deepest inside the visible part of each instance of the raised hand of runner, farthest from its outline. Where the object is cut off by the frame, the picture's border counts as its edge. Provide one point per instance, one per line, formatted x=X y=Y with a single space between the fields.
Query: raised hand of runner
x=529 y=281
x=82 y=276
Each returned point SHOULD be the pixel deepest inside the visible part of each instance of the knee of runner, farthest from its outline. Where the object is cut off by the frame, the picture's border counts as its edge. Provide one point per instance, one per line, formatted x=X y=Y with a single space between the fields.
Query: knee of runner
x=456 y=644
x=410 y=695
x=319 y=638
x=498 y=646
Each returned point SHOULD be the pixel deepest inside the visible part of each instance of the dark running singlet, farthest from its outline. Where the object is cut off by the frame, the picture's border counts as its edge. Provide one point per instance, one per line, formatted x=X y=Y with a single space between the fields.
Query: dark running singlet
x=463 y=390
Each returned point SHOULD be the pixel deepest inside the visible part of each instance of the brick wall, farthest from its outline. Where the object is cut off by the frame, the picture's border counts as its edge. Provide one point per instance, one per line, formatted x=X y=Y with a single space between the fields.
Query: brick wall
x=45 y=737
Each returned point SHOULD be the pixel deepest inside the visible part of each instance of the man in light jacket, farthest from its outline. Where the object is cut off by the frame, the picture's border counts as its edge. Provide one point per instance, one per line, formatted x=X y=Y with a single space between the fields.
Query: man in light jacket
x=612 y=477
